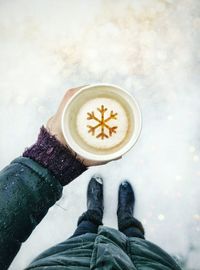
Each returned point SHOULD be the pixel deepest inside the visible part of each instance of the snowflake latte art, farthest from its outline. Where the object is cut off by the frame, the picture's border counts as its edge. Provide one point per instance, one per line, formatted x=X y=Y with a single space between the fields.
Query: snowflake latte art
x=102 y=123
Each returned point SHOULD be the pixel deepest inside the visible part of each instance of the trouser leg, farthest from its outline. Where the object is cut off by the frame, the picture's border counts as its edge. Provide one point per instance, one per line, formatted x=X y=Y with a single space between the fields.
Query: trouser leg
x=131 y=227
x=85 y=227
x=133 y=232
x=88 y=222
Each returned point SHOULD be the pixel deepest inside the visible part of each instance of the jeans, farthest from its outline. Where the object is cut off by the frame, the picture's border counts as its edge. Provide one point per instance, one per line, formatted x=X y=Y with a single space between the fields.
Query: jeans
x=87 y=226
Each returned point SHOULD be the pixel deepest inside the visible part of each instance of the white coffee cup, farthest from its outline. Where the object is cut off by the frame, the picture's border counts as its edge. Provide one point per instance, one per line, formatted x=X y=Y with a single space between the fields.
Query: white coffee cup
x=101 y=122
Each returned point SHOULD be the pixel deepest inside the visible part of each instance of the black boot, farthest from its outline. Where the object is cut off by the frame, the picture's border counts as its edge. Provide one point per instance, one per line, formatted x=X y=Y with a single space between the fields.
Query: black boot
x=125 y=210
x=95 y=204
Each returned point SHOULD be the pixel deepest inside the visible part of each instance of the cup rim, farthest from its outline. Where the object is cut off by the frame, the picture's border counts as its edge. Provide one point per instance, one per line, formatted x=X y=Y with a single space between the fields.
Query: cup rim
x=96 y=157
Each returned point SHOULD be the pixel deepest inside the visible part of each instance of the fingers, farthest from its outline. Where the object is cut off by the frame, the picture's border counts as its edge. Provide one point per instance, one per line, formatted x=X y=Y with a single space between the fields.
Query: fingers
x=68 y=94
x=90 y=163
x=118 y=158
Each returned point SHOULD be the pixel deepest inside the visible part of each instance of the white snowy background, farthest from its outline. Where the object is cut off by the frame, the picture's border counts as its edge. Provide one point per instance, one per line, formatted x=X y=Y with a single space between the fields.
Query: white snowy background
x=149 y=47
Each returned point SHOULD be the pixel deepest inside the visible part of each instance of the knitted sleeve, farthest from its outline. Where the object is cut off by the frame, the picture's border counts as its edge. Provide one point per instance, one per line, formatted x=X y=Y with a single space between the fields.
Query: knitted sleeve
x=56 y=157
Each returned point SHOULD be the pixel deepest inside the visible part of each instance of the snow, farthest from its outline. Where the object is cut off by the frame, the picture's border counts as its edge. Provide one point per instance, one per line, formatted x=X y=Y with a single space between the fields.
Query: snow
x=150 y=48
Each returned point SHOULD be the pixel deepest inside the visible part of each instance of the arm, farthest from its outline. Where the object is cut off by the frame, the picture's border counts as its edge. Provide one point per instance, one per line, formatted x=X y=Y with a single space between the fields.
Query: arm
x=29 y=186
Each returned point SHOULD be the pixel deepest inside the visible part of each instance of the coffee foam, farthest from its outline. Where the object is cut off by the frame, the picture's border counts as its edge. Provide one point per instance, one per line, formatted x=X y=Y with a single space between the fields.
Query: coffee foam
x=102 y=123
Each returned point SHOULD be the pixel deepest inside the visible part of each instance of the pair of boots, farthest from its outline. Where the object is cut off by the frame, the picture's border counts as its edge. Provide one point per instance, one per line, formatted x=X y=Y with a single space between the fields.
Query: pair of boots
x=127 y=224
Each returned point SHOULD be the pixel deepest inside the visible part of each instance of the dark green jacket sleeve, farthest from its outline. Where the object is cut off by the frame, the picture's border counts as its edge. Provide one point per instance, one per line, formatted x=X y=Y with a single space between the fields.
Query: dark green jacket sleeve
x=27 y=191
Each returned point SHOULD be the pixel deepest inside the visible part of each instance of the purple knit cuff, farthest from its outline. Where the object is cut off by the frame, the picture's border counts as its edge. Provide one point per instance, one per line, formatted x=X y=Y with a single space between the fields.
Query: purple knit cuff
x=50 y=153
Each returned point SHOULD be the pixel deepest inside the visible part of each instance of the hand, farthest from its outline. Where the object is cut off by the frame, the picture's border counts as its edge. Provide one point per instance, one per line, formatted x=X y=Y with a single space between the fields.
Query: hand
x=54 y=127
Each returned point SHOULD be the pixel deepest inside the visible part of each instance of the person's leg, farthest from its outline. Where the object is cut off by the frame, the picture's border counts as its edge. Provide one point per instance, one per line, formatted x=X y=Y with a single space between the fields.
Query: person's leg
x=90 y=220
x=127 y=223
x=133 y=229
x=86 y=226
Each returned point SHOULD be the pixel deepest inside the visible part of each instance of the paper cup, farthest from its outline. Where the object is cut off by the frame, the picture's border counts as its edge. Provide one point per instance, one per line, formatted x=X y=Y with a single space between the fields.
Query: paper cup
x=101 y=122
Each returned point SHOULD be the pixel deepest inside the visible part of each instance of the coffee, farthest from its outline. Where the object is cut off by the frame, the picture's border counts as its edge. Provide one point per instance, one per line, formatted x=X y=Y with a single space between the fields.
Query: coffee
x=100 y=121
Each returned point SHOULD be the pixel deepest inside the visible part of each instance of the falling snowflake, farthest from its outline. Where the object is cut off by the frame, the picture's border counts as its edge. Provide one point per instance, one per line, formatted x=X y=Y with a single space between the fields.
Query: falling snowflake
x=102 y=123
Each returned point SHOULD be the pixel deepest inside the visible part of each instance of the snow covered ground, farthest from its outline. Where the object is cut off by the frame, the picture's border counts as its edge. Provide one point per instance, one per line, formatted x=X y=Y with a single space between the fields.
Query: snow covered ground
x=149 y=47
